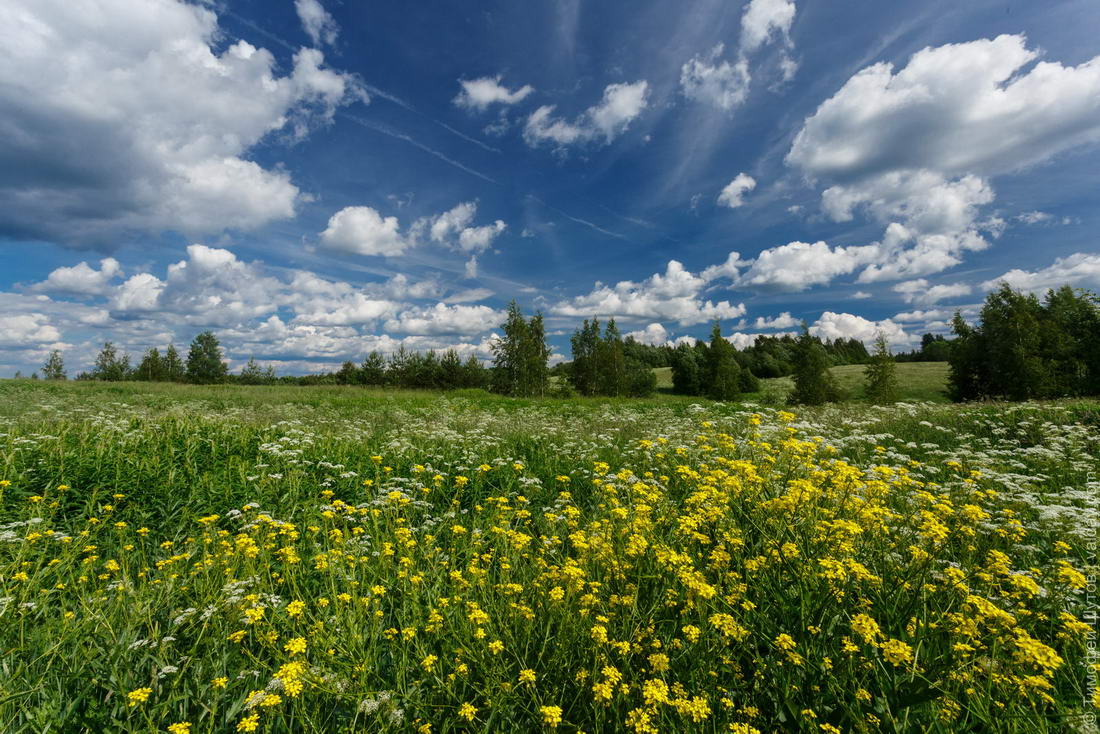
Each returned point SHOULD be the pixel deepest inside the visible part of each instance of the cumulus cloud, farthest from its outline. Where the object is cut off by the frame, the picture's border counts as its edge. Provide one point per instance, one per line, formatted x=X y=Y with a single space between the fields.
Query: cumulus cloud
x=797 y=266
x=133 y=116
x=728 y=269
x=444 y=319
x=672 y=296
x=957 y=109
x=782 y=321
x=363 y=231
x=318 y=24
x=1080 y=269
x=479 y=94
x=602 y=123
x=733 y=194
x=764 y=21
x=711 y=79
x=81 y=279
x=919 y=292
x=654 y=334
x=849 y=326
x=27 y=329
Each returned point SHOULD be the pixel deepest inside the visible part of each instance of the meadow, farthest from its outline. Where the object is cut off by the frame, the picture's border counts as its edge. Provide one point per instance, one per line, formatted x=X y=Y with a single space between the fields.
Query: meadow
x=191 y=559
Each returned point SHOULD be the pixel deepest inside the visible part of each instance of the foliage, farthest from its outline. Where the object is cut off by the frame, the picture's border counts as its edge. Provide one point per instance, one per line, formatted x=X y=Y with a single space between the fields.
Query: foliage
x=881 y=374
x=520 y=356
x=54 y=369
x=1022 y=348
x=723 y=374
x=109 y=366
x=813 y=383
x=324 y=559
x=204 y=360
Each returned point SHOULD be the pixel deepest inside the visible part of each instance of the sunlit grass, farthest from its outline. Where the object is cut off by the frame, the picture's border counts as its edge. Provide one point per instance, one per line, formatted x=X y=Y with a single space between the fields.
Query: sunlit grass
x=325 y=559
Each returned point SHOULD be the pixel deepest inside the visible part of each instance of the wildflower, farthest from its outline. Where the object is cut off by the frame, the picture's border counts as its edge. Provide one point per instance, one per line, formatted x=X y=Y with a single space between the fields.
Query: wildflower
x=866 y=627
x=496 y=646
x=467 y=711
x=428 y=662
x=897 y=652
x=138 y=695
x=295 y=646
x=551 y=715
x=249 y=723
x=219 y=682
x=527 y=676
x=183 y=727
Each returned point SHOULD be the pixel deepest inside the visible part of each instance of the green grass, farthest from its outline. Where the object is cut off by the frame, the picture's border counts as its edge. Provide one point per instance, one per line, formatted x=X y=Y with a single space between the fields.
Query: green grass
x=680 y=544
x=917 y=382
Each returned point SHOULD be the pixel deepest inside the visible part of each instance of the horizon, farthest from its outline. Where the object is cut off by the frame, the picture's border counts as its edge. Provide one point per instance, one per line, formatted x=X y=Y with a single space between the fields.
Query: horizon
x=314 y=180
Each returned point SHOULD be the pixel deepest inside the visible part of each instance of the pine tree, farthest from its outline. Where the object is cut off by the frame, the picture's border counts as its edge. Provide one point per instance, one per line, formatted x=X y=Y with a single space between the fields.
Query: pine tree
x=348 y=374
x=450 y=371
x=54 y=369
x=172 y=365
x=813 y=383
x=723 y=375
x=151 y=368
x=252 y=373
x=880 y=375
x=204 y=361
x=474 y=374
x=373 y=369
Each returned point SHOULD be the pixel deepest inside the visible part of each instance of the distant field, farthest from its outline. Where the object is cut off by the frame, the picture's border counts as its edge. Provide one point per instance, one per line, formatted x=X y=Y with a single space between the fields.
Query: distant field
x=917 y=381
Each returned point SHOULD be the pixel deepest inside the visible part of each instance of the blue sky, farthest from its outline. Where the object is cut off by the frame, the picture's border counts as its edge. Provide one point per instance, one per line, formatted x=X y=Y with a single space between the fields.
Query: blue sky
x=313 y=179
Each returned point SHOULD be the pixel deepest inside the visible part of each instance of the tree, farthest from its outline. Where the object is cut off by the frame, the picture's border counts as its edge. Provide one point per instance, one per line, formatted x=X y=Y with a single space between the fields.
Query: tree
x=54 y=369
x=880 y=375
x=253 y=374
x=686 y=371
x=585 y=370
x=373 y=369
x=610 y=362
x=172 y=366
x=348 y=374
x=109 y=366
x=151 y=368
x=813 y=383
x=520 y=356
x=204 y=361
x=723 y=375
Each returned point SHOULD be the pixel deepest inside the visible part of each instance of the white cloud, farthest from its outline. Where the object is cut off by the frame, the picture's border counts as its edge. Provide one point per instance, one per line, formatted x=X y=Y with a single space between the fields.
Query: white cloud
x=860 y=295
x=708 y=78
x=27 y=329
x=975 y=107
x=733 y=194
x=1033 y=217
x=478 y=239
x=82 y=279
x=763 y=21
x=728 y=269
x=849 y=326
x=124 y=116
x=604 y=122
x=444 y=319
x=318 y=24
x=782 y=321
x=1080 y=270
x=673 y=296
x=654 y=334
x=798 y=265
x=363 y=231
x=479 y=94
x=919 y=292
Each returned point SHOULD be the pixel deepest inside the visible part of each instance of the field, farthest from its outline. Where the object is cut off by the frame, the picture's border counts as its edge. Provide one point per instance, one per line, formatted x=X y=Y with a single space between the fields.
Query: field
x=288 y=559
x=917 y=381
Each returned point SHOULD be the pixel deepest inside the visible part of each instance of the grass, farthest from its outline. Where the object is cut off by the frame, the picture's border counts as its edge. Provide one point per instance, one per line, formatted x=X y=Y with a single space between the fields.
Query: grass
x=322 y=559
x=917 y=382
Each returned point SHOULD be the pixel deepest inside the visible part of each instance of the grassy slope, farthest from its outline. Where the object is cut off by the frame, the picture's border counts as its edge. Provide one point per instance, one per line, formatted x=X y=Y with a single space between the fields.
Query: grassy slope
x=917 y=381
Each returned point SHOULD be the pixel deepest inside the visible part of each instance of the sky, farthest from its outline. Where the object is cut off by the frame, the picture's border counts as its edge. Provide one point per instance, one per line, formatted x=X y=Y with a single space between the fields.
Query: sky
x=316 y=179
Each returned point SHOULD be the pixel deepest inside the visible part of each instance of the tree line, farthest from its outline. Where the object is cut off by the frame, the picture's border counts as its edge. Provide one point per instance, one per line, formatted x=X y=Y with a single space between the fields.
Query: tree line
x=1023 y=348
